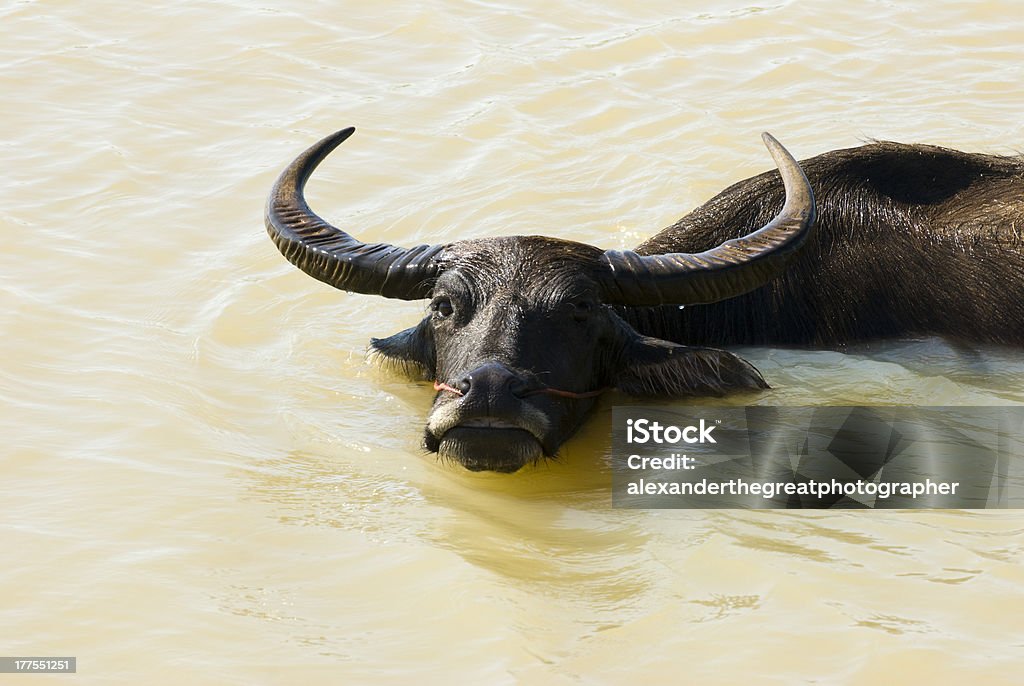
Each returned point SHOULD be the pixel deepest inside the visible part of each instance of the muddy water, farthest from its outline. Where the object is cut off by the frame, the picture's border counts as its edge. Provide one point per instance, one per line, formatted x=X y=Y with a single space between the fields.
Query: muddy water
x=206 y=482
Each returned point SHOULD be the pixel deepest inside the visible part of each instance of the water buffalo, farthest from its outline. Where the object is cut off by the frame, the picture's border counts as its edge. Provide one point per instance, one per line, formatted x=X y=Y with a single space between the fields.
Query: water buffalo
x=523 y=332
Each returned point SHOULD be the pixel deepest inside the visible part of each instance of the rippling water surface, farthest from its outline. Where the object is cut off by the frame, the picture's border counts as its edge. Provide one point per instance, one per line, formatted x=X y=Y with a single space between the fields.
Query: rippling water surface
x=204 y=481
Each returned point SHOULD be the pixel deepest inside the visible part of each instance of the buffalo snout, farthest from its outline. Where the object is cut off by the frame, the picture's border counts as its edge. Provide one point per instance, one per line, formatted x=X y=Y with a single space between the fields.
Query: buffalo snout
x=490 y=388
x=485 y=420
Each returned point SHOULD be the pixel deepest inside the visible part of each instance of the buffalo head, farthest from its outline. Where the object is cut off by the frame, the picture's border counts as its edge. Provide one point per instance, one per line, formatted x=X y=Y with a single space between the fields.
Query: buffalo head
x=523 y=332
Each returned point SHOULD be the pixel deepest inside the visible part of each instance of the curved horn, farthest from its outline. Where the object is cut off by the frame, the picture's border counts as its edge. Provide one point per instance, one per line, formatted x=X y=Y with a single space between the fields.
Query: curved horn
x=327 y=253
x=731 y=269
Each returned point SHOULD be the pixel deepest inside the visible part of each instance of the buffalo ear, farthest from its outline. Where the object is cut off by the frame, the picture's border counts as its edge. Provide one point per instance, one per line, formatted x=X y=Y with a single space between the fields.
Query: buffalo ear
x=410 y=352
x=654 y=367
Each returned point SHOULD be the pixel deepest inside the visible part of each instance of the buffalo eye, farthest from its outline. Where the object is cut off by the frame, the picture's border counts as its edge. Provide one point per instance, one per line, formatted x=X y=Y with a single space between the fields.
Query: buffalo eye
x=582 y=309
x=442 y=307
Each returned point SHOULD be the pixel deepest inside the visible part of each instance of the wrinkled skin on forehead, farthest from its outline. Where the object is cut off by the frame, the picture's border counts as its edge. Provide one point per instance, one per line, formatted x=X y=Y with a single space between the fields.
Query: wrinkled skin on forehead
x=512 y=318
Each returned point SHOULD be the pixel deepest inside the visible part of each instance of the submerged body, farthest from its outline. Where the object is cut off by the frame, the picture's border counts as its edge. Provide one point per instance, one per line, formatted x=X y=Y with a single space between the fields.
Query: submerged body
x=524 y=331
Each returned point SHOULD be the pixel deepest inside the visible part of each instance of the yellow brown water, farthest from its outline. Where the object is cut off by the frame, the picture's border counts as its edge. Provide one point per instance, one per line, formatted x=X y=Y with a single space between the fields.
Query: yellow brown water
x=203 y=479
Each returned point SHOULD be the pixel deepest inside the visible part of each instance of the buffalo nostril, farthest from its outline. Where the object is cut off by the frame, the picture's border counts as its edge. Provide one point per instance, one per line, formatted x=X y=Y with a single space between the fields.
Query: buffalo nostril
x=518 y=387
x=490 y=378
